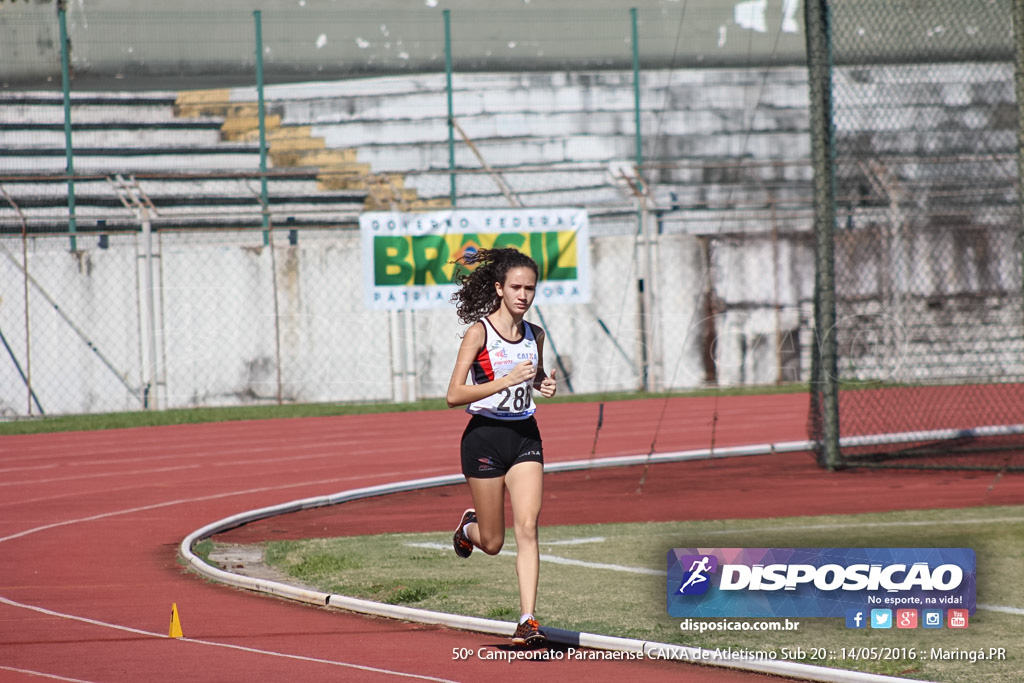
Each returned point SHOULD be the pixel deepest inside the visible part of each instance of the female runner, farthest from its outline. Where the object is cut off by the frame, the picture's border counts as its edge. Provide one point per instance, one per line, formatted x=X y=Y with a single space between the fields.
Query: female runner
x=500 y=362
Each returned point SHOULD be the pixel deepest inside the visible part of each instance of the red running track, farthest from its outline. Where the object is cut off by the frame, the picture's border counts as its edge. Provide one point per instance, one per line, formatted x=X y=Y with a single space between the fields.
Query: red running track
x=90 y=523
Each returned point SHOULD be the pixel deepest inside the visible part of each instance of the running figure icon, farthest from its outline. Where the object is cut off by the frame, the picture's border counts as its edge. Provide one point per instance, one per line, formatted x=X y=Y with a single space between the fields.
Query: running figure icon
x=697 y=573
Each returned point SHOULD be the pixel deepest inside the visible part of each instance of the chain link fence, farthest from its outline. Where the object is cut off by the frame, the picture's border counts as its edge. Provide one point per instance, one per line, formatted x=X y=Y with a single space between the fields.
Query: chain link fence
x=165 y=245
x=929 y=315
x=165 y=317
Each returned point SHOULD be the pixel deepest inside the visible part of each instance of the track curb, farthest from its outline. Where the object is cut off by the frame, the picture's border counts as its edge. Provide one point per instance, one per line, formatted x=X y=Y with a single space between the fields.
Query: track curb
x=636 y=648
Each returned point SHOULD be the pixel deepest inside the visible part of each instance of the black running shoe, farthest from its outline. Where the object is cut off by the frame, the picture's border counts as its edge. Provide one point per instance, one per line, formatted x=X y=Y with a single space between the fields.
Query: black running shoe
x=463 y=546
x=528 y=633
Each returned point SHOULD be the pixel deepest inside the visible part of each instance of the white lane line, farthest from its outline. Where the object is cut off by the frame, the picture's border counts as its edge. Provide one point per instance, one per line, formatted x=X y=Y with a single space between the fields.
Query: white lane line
x=198 y=499
x=554 y=559
x=40 y=674
x=317 y=660
x=229 y=646
x=575 y=541
x=858 y=525
x=128 y=511
x=205 y=459
x=83 y=493
x=1001 y=608
x=6 y=470
x=214 y=457
x=601 y=565
x=99 y=475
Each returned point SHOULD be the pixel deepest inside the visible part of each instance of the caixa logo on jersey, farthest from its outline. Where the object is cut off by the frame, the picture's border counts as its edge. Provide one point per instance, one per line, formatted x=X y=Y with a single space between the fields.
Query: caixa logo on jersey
x=816 y=582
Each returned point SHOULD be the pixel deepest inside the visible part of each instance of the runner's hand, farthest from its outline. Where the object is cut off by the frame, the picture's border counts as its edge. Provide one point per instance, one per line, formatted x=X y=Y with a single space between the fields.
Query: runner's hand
x=524 y=372
x=548 y=385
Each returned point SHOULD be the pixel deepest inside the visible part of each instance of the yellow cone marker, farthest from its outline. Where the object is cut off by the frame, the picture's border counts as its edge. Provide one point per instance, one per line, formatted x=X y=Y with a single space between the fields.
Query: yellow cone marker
x=175 y=624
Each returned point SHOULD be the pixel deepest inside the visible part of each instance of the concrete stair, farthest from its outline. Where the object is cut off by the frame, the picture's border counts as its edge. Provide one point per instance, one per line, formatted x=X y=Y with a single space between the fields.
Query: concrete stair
x=297 y=146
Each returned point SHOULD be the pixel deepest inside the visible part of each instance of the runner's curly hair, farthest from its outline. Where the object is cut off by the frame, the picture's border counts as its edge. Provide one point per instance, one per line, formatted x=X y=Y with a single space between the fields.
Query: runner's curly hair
x=476 y=297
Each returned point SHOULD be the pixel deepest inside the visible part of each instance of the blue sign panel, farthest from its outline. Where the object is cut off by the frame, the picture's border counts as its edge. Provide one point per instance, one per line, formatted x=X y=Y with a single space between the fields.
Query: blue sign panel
x=818 y=582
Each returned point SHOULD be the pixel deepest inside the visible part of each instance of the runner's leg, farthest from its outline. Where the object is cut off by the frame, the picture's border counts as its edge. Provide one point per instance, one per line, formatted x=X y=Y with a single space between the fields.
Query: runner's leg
x=488 y=533
x=525 y=482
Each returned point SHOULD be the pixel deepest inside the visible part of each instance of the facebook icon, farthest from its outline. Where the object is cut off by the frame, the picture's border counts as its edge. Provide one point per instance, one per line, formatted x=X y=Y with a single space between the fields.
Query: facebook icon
x=855 y=618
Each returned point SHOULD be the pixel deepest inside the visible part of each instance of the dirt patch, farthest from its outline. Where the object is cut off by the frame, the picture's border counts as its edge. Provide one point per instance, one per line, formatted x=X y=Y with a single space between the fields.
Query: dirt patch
x=247 y=560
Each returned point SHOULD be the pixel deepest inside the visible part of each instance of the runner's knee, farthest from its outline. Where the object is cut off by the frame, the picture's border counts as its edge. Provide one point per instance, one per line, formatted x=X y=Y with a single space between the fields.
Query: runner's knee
x=491 y=546
x=526 y=530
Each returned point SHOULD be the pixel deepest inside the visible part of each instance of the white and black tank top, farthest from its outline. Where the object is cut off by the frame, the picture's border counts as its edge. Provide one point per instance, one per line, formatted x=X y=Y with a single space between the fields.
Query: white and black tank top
x=496 y=359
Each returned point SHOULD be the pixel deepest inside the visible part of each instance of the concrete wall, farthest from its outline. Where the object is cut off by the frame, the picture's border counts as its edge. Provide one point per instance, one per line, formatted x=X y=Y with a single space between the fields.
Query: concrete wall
x=220 y=341
x=212 y=45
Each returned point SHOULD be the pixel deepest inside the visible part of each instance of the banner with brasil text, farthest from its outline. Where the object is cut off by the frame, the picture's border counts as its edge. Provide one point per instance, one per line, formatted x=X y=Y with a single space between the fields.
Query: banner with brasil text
x=408 y=258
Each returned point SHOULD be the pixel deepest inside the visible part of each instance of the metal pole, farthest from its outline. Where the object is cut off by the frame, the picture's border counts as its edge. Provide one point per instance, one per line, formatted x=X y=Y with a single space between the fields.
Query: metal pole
x=776 y=286
x=410 y=350
x=825 y=377
x=27 y=375
x=396 y=357
x=655 y=361
x=636 y=93
x=265 y=200
x=65 y=76
x=28 y=322
x=279 y=393
x=261 y=115
x=28 y=383
x=451 y=111
x=149 y=390
x=649 y=358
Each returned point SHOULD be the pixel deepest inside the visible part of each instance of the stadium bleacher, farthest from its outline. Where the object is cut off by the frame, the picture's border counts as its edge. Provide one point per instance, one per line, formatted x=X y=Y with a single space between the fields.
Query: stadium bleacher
x=135 y=151
x=337 y=148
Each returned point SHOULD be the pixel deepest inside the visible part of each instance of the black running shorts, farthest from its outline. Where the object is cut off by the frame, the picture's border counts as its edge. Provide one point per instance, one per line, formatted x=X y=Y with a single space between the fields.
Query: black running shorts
x=491 y=447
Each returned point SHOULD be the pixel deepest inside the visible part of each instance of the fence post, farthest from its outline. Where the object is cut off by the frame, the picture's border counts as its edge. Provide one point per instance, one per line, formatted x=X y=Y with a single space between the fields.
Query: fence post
x=636 y=92
x=65 y=79
x=650 y=357
x=451 y=112
x=824 y=360
x=638 y=159
x=261 y=116
x=150 y=392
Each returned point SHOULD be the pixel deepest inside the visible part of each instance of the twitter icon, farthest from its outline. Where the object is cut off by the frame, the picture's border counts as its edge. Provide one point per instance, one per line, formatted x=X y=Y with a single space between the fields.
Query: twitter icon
x=881 y=618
